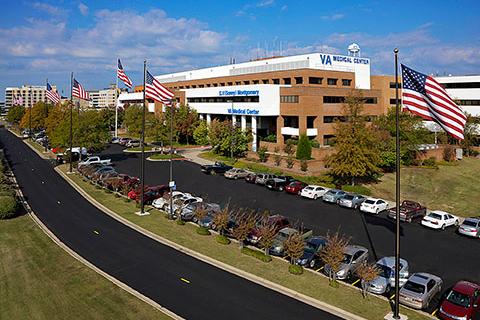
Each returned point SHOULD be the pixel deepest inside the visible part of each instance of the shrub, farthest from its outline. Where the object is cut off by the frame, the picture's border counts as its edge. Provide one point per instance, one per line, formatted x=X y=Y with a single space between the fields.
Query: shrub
x=97 y=186
x=449 y=153
x=116 y=195
x=277 y=159
x=256 y=254
x=303 y=165
x=430 y=162
x=357 y=189
x=262 y=154
x=290 y=162
x=270 y=138
x=108 y=191
x=180 y=222
x=203 y=231
x=304 y=149
x=292 y=142
x=222 y=239
x=295 y=269
x=8 y=207
x=127 y=200
x=315 y=144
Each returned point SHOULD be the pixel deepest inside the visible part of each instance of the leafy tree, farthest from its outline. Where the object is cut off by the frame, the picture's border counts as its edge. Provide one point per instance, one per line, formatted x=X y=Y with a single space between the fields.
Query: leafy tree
x=262 y=154
x=200 y=134
x=367 y=272
x=186 y=120
x=246 y=221
x=108 y=116
x=356 y=153
x=304 y=165
x=304 y=148
x=470 y=133
x=294 y=247
x=39 y=114
x=226 y=138
x=92 y=131
x=267 y=233
x=57 y=115
x=133 y=119
x=333 y=253
x=15 y=114
x=221 y=220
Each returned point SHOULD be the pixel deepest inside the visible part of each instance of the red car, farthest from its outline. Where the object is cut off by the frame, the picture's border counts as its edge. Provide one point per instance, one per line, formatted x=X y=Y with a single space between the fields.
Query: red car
x=462 y=302
x=150 y=194
x=295 y=187
x=133 y=194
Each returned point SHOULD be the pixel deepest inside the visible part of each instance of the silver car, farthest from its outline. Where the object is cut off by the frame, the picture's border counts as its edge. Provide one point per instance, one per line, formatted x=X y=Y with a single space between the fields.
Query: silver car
x=236 y=173
x=419 y=290
x=351 y=201
x=353 y=257
x=333 y=195
x=263 y=177
x=386 y=278
x=470 y=227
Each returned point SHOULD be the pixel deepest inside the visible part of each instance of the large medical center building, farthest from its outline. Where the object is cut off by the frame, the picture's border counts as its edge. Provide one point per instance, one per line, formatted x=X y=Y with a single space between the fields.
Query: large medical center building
x=282 y=97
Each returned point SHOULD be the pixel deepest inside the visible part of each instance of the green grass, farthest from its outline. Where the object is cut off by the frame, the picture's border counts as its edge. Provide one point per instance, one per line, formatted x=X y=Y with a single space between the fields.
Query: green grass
x=147 y=148
x=38 y=280
x=308 y=283
x=159 y=156
x=38 y=147
x=452 y=188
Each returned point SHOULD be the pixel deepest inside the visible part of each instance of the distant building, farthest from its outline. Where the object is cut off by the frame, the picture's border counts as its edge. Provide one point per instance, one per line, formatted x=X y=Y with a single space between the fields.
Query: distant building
x=105 y=98
x=3 y=110
x=29 y=94
x=465 y=90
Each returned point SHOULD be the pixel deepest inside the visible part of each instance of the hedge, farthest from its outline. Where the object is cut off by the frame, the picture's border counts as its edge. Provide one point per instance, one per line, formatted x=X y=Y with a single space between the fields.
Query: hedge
x=295 y=269
x=222 y=239
x=256 y=254
x=203 y=231
x=8 y=207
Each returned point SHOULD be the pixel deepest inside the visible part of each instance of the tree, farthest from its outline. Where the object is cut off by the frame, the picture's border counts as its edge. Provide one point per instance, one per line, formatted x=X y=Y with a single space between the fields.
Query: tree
x=15 y=114
x=471 y=134
x=262 y=154
x=133 y=119
x=92 y=132
x=200 y=134
x=333 y=254
x=186 y=120
x=367 y=272
x=220 y=221
x=304 y=148
x=40 y=111
x=356 y=153
x=267 y=233
x=294 y=247
x=246 y=222
x=227 y=139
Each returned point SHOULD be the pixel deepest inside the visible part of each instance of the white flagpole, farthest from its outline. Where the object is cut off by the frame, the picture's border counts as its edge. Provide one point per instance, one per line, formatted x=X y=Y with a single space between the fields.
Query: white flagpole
x=116 y=102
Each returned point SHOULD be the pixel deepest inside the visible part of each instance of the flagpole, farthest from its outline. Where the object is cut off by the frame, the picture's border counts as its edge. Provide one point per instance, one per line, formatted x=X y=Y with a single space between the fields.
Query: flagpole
x=71 y=121
x=170 y=215
x=46 y=114
x=397 y=192
x=30 y=114
x=142 y=143
x=116 y=103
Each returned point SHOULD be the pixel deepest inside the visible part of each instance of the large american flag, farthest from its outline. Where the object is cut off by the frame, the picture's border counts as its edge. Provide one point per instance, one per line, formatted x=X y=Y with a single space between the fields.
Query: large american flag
x=122 y=76
x=17 y=100
x=51 y=94
x=156 y=91
x=424 y=96
x=79 y=92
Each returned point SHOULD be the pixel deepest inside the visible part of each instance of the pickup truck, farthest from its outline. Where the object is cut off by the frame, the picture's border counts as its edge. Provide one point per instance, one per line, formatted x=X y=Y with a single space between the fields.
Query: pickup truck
x=279 y=182
x=409 y=210
x=95 y=160
x=278 y=246
x=217 y=167
x=277 y=220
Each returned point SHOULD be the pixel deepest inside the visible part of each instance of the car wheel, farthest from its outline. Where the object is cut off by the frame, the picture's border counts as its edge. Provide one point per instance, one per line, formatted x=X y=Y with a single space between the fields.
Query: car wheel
x=194 y=219
x=456 y=223
x=299 y=193
x=409 y=220
x=280 y=188
x=443 y=226
x=349 y=276
x=355 y=207
x=213 y=226
x=377 y=211
x=213 y=172
x=314 y=197
x=387 y=289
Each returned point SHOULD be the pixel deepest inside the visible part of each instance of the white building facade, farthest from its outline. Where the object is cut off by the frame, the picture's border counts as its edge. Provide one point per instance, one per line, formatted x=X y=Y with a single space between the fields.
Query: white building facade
x=30 y=95
x=465 y=90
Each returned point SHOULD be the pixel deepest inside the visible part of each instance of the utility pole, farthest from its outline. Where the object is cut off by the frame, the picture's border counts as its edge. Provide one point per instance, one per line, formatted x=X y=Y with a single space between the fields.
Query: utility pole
x=170 y=183
x=71 y=122
x=45 y=120
x=142 y=144
x=116 y=104
x=30 y=114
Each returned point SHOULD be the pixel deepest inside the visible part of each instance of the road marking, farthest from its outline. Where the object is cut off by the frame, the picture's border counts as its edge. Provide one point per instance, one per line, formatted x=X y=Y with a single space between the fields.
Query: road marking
x=355 y=282
x=96 y=232
x=58 y=202
x=185 y=280
x=393 y=295
x=434 y=312
x=319 y=269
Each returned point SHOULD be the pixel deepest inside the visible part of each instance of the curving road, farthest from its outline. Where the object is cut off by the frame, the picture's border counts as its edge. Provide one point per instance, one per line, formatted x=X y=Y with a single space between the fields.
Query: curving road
x=142 y=263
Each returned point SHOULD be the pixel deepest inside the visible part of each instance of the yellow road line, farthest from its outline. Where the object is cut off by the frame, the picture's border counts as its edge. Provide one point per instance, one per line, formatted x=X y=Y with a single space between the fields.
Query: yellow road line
x=319 y=269
x=96 y=232
x=392 y=296
x=355 y=282
x=184 y=280
x=434 y=312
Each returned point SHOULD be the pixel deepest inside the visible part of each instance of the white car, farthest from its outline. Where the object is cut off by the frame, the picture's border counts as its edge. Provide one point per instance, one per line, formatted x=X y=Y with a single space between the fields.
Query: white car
x=439 y=220
x=161 y=202
x=373 y=205
x=181 y=202
x=313 y=192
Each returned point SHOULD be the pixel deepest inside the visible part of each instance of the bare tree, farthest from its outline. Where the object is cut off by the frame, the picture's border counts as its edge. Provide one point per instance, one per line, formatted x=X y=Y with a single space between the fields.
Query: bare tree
x=245 y=223
x=200 y=213
x=220 y=221
x=367 y=272
x=267 y=233
x=294 y=247
x=333 y=254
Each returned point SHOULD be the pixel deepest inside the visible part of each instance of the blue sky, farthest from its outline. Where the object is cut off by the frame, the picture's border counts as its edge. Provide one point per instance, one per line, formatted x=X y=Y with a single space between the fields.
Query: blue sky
x=50 y=39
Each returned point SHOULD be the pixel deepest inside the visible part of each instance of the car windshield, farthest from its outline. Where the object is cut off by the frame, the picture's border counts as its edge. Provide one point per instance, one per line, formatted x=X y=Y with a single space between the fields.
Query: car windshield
x=470 y=223
x=435 y=216
x=282 y=236
x=333 y=192
x=310 y=247
x=385 y=271
x=348 y=197
x=459 y=299
x=414 y=287
x=369 y=202
x=346 y=258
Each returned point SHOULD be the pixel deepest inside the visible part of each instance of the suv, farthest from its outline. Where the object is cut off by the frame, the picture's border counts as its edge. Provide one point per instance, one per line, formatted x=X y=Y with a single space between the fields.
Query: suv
x=261 y=178
x=236 y=173
x=278 y=183
x=462 y=302
x=279 y=221
x=386 y=277
x=353 y=257
x=419 y=290
x=409 y=210
x=470 y=227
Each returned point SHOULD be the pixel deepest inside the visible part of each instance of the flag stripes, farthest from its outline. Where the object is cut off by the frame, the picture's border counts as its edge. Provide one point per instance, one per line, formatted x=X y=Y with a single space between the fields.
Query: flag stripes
x=79 y=92
x=156 y=91
x=122 y=76
x=51 y=94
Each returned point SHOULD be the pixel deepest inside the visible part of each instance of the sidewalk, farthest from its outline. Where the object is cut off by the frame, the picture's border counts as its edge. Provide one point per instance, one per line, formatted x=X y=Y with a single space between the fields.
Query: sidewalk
x=192 y=155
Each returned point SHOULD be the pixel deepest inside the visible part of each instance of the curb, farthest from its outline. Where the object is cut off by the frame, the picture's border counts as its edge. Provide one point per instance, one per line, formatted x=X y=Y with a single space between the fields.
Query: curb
x=167 y=160
x=248 y=276
x=40 y=154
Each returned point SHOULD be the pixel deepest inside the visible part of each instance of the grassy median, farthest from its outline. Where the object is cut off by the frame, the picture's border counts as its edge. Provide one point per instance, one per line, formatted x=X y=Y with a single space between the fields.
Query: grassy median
x=38 y=280
x=309 y=283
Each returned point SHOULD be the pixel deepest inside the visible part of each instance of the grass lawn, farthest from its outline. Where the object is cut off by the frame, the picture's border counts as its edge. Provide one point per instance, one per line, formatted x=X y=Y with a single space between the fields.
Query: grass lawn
x=452 y=188
x=38 y=280
x=38 y=147
x=159 y=156
x=310 y=284
x=139 y=149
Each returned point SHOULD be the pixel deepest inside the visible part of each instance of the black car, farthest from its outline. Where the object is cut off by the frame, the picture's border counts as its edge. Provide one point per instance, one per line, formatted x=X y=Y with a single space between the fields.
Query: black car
x=217 y=167
x=311 y=252
x=279 y=183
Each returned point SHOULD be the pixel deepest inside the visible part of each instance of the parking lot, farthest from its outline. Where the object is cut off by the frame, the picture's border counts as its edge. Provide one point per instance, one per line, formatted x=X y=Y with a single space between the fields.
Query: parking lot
x=443 y=253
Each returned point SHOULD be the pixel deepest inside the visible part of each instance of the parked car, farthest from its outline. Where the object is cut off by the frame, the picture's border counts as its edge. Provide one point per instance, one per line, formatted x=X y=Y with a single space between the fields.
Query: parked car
x=152 y=193
x=216 y=168
x=188 y=212
x=161 y=202
x=261 y=178
x=113 y=182
x=128 y=184
x=278 y=245
x=279 y=182
x=250 y=178
x=470 y=227
x=419 y=290
x=94 y=160
x=353 y=257
x=277 y=220
x=373 y=205
x=115 y=140
x=461 y=302
x=207 y=221
x=409 y=210
x=132 y=143
x=313 y=192
x=295 y=187
x=84 y=170
x=333 y=195
x=236 y=173
x=135 y=192
x=352 y=201
x=181 y=202
x=123 y=141
x=386 y=279
x=98 y=173
x=104 y=175
x=439 y=220
x=311 y=252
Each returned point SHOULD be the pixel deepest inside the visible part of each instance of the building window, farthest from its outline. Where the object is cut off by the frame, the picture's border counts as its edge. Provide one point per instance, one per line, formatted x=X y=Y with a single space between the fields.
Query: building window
x=230 y=83
x=468 y=102
x=222 y=84
x=310 y=121
x=315 y=80
x=188 y=87
x=332 y=82
x=265 y=81
x=298 y=80
x=246 y=82
x=290 y=121
x=276 y=81
x=461 y=85
x=331 y=119
x=223 y=99
x=346 y=82
x=215 y=84
x=256 y=81
x=208 y=85
x=333 y=99
x=237 y=83
x=201 y=86
x=289 y=99
x=393 y=101
x=194 y=86
x=370 y=100
x=287 y=80
x=328 y=139
x=392 y=85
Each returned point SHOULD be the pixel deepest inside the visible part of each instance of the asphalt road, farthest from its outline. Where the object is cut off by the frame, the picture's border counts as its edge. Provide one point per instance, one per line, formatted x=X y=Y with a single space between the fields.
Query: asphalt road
x=142 y=263
x=443 y=253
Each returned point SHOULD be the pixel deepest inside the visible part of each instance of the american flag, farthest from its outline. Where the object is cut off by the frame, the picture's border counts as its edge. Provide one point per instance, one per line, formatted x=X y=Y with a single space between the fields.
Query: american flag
x=122 y=76
x=51 y=94
x=79 y=92
x=424 y=96
x=156 y=91
x=17 y=101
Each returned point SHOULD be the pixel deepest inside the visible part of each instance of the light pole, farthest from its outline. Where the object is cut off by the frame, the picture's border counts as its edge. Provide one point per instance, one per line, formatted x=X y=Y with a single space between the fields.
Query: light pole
x=71 y=122
x=171 y=183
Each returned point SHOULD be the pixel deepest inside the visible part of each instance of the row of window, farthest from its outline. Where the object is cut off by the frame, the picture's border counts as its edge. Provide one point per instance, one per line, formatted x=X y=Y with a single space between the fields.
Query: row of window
x=283 y=99
x=340 y=99
x=331 y=119
x=289 y=99
x=461 y=85
x=223 y=99
x=468 y=102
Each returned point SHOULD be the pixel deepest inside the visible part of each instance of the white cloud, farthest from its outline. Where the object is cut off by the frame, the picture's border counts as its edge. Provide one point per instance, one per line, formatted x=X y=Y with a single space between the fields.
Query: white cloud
x=83 y=9
x=52 y=10
x=333 y=17
x=284 y=8
x=265 y=3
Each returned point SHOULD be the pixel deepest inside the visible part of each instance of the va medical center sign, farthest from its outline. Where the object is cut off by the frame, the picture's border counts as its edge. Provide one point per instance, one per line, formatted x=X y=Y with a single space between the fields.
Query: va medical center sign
x=330 y=59
x=335 y=62
x=238 y=93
